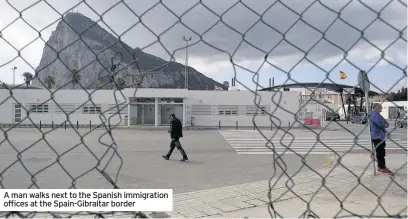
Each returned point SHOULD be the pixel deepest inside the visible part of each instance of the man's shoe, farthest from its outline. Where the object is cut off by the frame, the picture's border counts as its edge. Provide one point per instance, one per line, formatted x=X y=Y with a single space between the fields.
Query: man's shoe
x=184 y=159
x=386 y=171
x=165 y=157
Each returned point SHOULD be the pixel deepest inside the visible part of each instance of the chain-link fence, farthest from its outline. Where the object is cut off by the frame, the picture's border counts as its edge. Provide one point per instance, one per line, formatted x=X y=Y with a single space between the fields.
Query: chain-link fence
x=122 y=69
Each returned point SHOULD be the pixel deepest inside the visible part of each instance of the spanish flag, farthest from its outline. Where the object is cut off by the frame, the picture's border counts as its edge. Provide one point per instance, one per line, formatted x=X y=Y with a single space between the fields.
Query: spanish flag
x=343 y=75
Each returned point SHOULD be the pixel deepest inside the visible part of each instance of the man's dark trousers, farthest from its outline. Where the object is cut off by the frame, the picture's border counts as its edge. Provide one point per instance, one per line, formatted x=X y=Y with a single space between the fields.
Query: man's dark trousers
x=379 y=146
x=175 y=143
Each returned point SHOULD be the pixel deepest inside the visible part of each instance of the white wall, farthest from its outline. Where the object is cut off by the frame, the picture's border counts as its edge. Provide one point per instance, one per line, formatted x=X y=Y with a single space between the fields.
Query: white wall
x=386 y=105
x=72 y=99
x=287 y=100
x=68 y=99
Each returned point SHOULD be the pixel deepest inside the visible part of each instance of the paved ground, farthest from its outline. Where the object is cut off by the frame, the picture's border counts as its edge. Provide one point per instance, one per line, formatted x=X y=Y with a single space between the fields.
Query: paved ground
x=303 y=141
x=290 y=197
x=213 y=163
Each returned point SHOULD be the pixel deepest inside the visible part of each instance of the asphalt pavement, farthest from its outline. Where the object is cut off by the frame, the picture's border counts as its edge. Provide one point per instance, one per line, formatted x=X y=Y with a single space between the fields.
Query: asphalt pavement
x=66 y=159
x=51 y=159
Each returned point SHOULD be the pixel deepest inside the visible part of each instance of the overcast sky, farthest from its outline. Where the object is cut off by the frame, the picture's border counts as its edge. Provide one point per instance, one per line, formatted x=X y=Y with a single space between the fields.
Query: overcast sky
x=223 y=30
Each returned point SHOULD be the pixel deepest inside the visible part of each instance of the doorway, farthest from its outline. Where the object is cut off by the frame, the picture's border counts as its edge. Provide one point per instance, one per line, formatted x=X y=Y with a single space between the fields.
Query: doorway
x=145 y=114
x=167 y=109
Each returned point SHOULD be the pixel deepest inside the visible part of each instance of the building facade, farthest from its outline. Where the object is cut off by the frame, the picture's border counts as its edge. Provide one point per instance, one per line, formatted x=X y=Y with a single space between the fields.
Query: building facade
x=321 y=95
x=150 y=107
x=391 y=109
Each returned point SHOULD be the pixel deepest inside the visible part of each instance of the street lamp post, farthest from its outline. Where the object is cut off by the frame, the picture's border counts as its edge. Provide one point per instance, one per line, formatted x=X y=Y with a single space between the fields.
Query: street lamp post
x=14 y=75
x=186 y=66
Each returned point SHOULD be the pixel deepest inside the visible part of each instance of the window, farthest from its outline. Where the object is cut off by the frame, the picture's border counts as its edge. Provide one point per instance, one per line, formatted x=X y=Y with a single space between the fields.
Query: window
x=201 y=110
x=228 y=110
x=43 y=108
x=67 y=108
x=91 y=110
x=252 y=110
x=17 y=113
x=171 y=100
x=142 y=100
x=263 y=110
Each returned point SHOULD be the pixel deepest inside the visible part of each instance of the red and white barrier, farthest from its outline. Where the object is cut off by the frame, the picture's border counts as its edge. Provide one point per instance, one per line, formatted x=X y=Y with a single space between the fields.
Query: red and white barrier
x=313 y=115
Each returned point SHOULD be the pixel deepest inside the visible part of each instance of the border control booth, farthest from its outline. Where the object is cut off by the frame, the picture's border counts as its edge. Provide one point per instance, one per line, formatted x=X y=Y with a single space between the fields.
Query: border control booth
x=348 y=94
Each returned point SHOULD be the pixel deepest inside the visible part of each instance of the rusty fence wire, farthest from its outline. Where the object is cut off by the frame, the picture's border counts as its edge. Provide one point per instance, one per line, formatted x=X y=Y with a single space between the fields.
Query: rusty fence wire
x=110 y=77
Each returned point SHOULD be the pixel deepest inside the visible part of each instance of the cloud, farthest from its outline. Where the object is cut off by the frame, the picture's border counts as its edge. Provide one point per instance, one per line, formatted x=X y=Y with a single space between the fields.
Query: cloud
x=242 y=31
x=210 y=66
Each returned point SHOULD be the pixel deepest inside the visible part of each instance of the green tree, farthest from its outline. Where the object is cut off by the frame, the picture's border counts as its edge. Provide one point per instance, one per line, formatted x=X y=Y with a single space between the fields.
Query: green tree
x=75 y=77
x=97 y=84
x=400 y=95
x=49 y=81
x=27 y=78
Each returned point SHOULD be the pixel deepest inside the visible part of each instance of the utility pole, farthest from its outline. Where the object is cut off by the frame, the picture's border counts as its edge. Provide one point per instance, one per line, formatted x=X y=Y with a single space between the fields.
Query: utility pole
x=14 y=75
x=186 y=66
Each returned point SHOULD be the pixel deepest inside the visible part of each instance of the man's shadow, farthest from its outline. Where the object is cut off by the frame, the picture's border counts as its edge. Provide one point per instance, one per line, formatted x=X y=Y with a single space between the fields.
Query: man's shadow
x=188 y=162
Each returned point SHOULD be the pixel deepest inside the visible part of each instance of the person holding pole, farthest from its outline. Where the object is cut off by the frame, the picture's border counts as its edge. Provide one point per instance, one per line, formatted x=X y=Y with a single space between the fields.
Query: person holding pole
x=378 y=134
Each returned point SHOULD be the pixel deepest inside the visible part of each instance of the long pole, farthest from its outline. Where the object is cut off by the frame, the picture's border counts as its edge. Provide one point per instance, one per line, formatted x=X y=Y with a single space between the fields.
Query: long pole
x=273 y=83
x=14 y=75
x=373 y=154
x=186 y=66
x=342 y=103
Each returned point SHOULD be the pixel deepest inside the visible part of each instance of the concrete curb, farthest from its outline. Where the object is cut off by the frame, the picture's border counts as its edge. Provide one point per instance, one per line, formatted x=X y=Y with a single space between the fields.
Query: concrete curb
x=153 y=128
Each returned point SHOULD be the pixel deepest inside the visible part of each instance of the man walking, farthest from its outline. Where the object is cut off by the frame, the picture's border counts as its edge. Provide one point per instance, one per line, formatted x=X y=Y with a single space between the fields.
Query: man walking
x=176 y=132
x=378 y=134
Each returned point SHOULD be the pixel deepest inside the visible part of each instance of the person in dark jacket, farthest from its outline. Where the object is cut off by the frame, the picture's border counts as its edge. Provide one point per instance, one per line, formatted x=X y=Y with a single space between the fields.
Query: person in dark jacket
x=176 y=132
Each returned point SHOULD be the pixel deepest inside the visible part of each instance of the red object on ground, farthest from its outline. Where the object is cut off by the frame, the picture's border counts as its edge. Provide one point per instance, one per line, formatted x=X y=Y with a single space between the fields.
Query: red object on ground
x=387 y=171
x=316 y=122
x=307 y=121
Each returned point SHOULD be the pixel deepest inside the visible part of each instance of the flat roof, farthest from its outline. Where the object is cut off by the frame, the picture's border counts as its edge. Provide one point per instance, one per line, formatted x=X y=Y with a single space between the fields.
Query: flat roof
x=18 y=86
x=329 y=86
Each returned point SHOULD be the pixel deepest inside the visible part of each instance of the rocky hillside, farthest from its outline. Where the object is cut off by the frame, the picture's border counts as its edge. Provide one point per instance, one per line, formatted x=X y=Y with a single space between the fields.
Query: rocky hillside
x=81 y=44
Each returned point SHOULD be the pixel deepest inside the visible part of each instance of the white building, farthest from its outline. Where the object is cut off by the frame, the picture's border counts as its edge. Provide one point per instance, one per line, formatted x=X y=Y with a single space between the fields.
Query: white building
x=147 y=107
x=321 y=95
x=390 y=109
